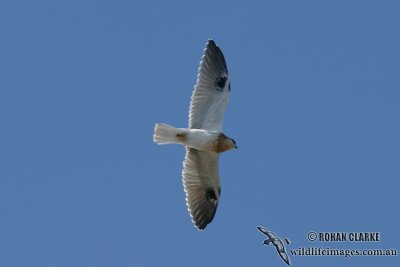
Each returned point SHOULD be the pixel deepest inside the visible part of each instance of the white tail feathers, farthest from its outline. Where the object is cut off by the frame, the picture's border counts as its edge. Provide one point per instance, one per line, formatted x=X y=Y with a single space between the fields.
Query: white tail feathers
x=165 y=134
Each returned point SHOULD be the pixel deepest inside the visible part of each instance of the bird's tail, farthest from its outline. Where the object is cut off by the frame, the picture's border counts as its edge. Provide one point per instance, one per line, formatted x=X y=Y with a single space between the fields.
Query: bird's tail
x=165 y=134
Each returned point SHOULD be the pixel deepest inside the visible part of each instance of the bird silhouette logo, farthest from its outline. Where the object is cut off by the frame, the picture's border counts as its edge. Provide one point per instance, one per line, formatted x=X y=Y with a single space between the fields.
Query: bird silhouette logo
x=274 y=240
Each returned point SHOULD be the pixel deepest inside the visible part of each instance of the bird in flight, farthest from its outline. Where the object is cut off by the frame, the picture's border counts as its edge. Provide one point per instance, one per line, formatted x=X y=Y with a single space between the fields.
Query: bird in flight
x=204 y=139
x=274 y=240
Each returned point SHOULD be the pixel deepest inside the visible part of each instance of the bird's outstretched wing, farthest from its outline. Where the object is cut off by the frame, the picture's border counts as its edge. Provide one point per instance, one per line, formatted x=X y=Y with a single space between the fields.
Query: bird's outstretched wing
x=277 y=242
x=284 y=257
x=202 y=185
x=265 y=231
x=211 y=92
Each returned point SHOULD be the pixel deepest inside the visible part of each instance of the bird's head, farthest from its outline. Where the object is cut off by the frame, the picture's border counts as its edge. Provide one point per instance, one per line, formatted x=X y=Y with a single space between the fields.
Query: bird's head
x=267 y=242
x=225 y=143
x=230 y=143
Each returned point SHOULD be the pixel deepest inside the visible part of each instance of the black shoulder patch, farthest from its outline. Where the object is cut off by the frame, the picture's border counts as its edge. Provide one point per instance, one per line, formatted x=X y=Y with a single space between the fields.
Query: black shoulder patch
x=220 y=83
x=211 y=194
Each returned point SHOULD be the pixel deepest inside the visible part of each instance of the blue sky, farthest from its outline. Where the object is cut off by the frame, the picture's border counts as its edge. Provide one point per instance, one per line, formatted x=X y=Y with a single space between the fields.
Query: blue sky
x=314 y=109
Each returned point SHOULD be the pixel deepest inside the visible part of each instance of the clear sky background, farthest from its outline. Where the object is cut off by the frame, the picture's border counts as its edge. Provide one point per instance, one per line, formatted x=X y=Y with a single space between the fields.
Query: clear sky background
x=314 y=109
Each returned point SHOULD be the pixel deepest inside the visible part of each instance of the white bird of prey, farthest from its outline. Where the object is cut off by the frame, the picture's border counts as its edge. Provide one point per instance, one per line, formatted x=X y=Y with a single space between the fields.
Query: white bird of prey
x=204 y=140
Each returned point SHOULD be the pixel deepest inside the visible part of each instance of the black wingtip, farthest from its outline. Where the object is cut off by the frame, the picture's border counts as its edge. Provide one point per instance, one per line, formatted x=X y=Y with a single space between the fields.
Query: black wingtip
x=214 y=49
x=200 y=225
x=211 y=43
